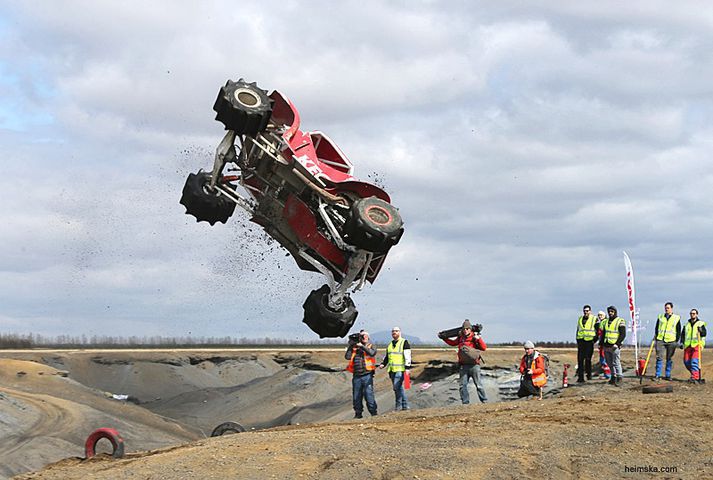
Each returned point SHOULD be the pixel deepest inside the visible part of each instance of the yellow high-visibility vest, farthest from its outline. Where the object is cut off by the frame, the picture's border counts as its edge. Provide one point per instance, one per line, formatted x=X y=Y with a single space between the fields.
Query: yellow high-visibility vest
x=611 y=330
x=667 y=327
x=586 y=332
x=397 y=361
x=691 y=336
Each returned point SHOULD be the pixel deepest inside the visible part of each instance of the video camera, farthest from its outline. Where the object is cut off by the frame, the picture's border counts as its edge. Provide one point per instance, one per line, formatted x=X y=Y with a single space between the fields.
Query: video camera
x=454 y=332
x=354 y=338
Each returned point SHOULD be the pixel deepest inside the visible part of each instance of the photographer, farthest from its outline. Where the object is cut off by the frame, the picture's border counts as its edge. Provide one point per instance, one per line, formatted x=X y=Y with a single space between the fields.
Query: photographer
x=469 y=345
x=362 y=363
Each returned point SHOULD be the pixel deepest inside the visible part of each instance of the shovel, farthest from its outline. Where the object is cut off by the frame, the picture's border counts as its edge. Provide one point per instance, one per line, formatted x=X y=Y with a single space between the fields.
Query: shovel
x=700 y=359
x=646 y=364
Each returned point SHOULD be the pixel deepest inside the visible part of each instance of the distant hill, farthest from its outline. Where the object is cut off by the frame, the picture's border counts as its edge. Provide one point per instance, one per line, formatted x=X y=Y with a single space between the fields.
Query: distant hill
x=384 y=337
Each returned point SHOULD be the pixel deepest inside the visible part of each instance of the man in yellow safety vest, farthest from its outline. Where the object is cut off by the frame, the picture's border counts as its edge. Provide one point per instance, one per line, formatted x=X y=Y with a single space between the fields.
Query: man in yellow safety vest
x=613 y=334
x=587 y=326
x=667 y=335
x=397 y=360
x=693 y=339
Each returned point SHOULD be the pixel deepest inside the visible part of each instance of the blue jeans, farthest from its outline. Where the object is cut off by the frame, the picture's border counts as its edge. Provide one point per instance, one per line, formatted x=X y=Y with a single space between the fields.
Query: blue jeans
x=363 y=387
x=466 y=373
x=397 y=379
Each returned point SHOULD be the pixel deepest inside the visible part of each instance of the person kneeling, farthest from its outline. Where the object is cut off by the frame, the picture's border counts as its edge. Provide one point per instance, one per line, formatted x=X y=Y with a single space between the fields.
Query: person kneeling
x=532 y=368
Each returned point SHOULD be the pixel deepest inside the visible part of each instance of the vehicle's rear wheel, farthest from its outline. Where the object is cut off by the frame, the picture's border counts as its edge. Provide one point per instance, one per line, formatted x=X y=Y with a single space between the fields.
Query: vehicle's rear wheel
x=204 y=203
x=243 y=107
x=323 y=320
x=373 y=225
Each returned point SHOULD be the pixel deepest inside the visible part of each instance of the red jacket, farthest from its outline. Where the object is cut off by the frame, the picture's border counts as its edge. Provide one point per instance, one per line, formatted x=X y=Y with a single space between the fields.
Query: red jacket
x=539 y=379
x=471 y=341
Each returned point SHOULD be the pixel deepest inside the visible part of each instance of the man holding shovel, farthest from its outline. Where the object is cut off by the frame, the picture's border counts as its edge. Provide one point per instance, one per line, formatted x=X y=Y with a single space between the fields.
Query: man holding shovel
x=692 y=341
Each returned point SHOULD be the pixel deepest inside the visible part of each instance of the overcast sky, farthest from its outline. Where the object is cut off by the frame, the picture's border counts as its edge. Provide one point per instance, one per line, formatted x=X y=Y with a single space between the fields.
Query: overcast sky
x=525 y=146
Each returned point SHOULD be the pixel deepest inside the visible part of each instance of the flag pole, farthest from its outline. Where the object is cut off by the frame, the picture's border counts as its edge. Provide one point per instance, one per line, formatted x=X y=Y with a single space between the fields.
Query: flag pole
x=631 y=294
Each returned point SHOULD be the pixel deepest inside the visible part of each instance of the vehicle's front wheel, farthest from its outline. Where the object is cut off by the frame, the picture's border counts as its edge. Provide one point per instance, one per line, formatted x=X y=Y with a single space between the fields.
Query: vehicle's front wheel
x=243 y=107
x=323 y=320
x=203 y=202
x=373 y=225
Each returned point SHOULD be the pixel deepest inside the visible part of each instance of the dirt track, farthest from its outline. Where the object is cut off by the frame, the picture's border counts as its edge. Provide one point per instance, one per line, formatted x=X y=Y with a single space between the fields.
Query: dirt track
x=590 y=431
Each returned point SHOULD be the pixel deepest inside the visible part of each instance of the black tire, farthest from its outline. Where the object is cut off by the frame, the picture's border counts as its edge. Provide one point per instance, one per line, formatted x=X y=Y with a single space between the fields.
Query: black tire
x=227 y=428
x=657 y=389
x=243 y=107
x=373 y=225
x=323 y=320
x=205 y=205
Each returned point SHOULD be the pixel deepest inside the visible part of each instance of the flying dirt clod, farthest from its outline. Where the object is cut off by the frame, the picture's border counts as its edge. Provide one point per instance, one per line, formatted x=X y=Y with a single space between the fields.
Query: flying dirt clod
x=300 y=189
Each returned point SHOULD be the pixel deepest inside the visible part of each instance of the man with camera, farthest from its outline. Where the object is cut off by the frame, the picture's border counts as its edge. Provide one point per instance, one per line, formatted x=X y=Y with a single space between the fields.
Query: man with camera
x=362 y=363
x=470 y=344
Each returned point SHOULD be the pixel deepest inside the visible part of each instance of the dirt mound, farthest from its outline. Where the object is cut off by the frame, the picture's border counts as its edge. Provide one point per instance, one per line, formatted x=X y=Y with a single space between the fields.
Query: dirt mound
x=579 y=432
x=576 y=436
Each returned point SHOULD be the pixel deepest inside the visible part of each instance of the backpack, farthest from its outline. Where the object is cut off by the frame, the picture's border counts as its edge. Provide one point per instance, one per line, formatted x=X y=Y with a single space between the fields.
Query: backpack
x=547 y=364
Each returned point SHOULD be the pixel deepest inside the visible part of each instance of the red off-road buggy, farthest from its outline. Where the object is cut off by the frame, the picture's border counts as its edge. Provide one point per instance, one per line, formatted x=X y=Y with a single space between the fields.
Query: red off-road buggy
x=301 y=191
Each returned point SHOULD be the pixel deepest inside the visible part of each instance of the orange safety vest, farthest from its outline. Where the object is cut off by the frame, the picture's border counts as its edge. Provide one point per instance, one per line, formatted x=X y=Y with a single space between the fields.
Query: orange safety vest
x=369 y=361
x=538 y=379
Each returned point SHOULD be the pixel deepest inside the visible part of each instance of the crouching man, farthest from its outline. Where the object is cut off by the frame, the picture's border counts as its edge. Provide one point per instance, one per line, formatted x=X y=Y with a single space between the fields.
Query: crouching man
x=532 y=369
x=362 y=363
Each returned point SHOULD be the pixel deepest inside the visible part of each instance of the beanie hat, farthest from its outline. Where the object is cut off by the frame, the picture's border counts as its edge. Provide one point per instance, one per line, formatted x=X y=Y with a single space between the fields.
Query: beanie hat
x=529 y=344
x=466 y=324
x=613 y=308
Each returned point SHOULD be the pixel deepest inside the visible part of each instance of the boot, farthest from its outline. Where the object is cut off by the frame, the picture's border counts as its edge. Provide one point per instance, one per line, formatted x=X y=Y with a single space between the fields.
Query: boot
x=612 y=380
x=618 y=381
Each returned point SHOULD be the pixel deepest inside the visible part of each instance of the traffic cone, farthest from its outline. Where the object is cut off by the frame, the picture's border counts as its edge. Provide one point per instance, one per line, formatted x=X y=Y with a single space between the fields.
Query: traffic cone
x=565 y=382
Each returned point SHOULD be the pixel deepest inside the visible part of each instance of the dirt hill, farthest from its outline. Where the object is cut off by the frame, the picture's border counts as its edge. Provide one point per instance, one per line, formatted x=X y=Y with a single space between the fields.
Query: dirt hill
x=586 y=431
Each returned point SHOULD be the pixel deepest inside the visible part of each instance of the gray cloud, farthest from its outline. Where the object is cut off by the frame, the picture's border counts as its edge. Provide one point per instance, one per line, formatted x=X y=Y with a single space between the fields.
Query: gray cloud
x=526 y=147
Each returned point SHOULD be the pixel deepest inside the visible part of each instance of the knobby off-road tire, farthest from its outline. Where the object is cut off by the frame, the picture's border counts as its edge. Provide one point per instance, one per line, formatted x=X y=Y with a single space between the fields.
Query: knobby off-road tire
x=323 y=320
x=110 y=434
x=243 y=107
x=203 y=203
x=373 y=225
x=226 y=428
x=657 y=389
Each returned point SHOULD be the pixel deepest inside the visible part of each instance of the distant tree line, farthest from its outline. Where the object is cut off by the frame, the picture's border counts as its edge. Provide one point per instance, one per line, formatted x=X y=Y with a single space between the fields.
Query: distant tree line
x=34 y=340
x=538 y=344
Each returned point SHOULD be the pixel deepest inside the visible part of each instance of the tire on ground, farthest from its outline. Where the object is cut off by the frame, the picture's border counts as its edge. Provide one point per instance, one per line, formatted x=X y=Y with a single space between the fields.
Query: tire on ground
x=110 y=434
x=227 y=428
x=657 y=389
x=373 y=225
x=323 y=320
x=243 y=107
x=204 y=204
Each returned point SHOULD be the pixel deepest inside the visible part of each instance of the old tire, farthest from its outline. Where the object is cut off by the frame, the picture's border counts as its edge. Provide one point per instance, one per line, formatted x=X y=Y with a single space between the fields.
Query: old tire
x=110 y=434
x=323 y=320
x=226 y=428
x=657 y=389
x=204 y=204
x=243 y=107
x=373 y=225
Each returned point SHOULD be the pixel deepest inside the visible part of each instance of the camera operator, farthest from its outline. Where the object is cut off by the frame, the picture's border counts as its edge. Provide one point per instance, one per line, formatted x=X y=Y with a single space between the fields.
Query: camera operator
x=469 y=345
x=362 y=363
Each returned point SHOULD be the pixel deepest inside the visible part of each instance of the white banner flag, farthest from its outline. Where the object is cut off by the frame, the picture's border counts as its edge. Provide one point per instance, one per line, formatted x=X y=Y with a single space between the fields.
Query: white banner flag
x=633 y=312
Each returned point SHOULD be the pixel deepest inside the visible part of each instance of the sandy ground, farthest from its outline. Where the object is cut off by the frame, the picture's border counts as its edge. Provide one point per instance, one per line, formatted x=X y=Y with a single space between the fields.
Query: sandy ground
x=585 y=431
